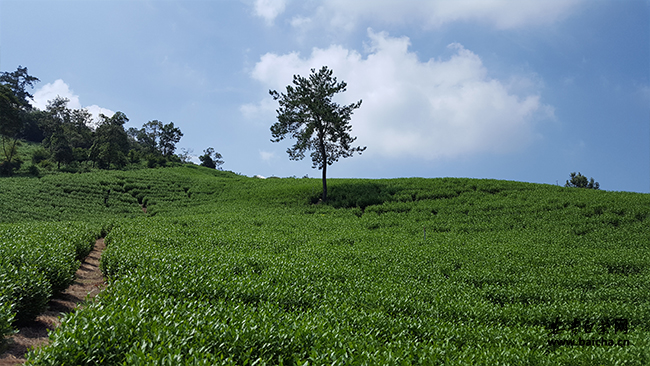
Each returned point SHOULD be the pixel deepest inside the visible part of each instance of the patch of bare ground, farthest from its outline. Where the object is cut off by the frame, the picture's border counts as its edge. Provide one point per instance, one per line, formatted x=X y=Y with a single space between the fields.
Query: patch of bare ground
x=89 y=281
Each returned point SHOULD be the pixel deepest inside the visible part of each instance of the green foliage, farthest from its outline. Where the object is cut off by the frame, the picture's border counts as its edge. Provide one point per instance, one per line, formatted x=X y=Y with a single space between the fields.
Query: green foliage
x=225 y=269
x=27 y=291
x=8 y=167
x=111 y=144
x=10 y=124
x=38 y=260
x=580 y=181
x=40 y=155
x=61 y=149
x=18 y=82
x=67 y=135
x=169 y=137
x=31 y=130
x=134 y=156
x=6 y=315
x=9 y=112
x=154 y=161
x=156 y=138
x=211 y=158
x=34 y=171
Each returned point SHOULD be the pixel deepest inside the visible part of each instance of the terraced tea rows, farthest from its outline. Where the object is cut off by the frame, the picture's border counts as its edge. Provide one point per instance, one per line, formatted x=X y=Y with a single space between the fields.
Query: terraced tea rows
x=508 y=273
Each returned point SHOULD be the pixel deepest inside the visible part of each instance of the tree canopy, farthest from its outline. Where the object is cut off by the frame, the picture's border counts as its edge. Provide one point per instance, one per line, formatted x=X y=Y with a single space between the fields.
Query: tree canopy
x=211 y=159
x=157 y=138
x=111 y=144
x=9 y=127
x=169 y=136
x=14 y=102
x=9 y=112
x=18 y=81
x=308 y=114
x=580 y=181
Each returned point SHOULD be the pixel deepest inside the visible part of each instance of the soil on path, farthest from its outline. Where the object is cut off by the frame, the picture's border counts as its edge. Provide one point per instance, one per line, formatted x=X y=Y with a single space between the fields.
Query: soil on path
x=88 y=283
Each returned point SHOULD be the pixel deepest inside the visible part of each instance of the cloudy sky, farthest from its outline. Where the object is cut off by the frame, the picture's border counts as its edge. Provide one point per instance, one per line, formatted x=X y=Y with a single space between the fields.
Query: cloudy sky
x=507 y=89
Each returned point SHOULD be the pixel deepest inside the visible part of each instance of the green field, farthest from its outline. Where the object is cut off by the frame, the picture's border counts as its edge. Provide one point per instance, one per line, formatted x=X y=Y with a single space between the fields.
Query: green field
x=225 y=269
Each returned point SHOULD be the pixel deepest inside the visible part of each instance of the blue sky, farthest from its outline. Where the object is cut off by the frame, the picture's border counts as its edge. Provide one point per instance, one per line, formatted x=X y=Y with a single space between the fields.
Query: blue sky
x=518 y=90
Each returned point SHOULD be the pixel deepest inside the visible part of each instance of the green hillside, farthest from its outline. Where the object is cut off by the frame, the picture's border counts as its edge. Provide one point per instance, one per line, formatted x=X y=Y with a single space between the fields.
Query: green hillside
x=226 y=269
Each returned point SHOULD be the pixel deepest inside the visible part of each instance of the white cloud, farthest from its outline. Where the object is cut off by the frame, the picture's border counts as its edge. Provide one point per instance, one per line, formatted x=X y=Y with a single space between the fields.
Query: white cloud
x=266 y=156
x=95 y=111
x=300 y=22
x=59 y=88
x=269 y=9
x=50 y=91
x=502 y=14
x=433 y=109
x=258 y=111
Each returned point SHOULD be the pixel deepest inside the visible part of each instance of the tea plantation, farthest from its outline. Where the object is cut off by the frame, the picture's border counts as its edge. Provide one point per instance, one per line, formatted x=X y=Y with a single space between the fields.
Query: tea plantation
x=225 y=269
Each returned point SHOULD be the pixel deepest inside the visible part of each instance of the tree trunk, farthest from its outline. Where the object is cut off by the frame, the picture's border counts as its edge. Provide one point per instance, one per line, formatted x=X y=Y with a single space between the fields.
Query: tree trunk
x=324 y=182
x=324 y=157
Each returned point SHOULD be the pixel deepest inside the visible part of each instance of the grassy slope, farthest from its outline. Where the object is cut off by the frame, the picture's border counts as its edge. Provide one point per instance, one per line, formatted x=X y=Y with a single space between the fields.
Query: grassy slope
x=506 y=267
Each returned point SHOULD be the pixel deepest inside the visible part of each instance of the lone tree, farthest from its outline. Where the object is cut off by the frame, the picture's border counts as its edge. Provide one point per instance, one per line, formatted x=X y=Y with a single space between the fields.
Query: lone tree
x=211 y=159
x=580 y=181
x=308 y=114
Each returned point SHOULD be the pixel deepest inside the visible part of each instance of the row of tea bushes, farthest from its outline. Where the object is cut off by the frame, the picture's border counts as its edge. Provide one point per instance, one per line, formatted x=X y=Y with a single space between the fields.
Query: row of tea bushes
x=255 y=285
x=38 y=260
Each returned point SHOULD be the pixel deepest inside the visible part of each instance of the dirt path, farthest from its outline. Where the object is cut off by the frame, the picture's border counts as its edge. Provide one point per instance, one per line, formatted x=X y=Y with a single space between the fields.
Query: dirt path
x=88 y=283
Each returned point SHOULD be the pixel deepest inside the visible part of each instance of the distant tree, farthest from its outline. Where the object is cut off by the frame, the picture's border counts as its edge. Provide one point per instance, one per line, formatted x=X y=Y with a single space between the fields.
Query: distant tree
x=111 y=144
x=81 y=135
x=58 y=115
x=308 y=114
x=18 y=81
x=580 y=181
x=61 y=149
x=211 y=159
x=14 y=104
x=10 y=124
x=185 y=155
x=157 y=138
x=134 y=155
x=31 y=128
x=66 y=131
x=132 y=134
x=149 y=135
x=169 y=137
